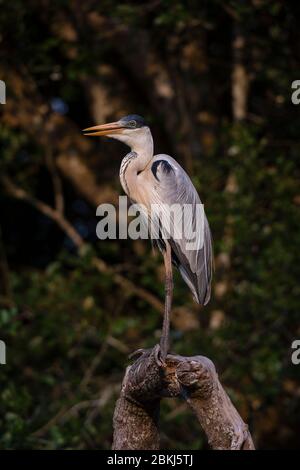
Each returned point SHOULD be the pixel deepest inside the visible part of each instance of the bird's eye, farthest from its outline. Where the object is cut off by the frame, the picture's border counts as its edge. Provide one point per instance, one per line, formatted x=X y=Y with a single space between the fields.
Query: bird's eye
x=132 y=123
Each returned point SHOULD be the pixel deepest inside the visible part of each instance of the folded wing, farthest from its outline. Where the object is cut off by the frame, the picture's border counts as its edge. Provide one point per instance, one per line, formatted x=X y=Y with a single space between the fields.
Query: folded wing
x=190 y=238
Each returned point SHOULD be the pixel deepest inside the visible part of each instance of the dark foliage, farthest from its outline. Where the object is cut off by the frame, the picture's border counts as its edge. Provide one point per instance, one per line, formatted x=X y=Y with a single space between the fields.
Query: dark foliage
x=69 y=325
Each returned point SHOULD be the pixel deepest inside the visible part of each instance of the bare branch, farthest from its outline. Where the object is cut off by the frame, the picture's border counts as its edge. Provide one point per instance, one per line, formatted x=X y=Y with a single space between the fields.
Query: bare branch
x=62 y=222
x=66 y=413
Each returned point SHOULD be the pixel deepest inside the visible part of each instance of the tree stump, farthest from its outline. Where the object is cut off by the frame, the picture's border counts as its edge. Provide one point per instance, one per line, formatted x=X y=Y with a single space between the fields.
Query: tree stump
x=136 y=416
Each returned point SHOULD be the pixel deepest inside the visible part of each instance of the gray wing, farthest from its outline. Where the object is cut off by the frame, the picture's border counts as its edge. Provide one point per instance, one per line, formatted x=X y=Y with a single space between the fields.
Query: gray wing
x=171 y=185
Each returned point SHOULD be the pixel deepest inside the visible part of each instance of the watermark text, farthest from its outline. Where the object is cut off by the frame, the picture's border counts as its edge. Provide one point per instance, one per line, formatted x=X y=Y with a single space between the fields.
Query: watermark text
x=2 y=353
x=183 y=223
x=2 y=92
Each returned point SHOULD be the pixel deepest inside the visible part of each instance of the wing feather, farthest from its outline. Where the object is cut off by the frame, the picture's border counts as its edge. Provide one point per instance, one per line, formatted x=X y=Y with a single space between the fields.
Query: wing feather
x=171 y=185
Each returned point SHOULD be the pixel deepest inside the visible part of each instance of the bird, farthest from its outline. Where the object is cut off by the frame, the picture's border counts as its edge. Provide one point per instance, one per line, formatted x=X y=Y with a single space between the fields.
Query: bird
x=158 y=180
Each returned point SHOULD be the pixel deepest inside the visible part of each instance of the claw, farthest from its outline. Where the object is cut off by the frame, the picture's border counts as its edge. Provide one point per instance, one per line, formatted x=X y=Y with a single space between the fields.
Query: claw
x=158 y=356
x=137 y=353
x=156 y=351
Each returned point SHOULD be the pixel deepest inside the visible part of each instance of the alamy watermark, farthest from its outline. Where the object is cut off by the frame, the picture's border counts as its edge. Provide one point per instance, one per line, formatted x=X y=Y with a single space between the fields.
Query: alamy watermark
x=2 y=92
x=295 y=97
x=296 y=354
x=2 y=353
x=181 y=222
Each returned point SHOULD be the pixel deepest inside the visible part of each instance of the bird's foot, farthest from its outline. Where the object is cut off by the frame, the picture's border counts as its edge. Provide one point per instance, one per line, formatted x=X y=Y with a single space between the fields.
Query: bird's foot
x=160 y=358
x=156 y=351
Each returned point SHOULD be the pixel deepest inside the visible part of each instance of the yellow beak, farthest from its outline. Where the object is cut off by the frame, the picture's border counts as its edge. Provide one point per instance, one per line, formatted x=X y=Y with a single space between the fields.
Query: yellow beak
x=104 y=129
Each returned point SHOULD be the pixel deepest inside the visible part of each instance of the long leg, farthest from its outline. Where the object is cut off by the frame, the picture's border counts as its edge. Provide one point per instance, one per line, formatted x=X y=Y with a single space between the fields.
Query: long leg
x=165 y=341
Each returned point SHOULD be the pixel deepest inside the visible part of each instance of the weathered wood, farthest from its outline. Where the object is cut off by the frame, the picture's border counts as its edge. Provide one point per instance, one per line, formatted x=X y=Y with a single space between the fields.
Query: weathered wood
x=136 y=424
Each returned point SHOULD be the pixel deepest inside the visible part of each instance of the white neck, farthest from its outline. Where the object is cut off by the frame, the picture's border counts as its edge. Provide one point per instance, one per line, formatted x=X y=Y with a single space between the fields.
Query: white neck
x=141 y=143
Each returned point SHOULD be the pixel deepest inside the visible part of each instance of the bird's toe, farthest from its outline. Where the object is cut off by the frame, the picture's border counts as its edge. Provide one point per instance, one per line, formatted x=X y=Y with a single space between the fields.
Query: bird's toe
x=137 y=353
x=158 y=356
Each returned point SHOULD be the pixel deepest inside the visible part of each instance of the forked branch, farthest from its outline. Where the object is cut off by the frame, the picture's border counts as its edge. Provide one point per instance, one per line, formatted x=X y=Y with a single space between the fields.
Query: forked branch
x=192 y=378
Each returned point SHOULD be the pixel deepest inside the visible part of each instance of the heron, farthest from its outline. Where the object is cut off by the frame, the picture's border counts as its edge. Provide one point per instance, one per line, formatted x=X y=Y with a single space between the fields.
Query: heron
x=159 y=180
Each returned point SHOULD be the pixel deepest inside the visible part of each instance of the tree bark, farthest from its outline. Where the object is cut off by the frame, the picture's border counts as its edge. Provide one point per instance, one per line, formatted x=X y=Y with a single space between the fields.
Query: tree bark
x=136 y=423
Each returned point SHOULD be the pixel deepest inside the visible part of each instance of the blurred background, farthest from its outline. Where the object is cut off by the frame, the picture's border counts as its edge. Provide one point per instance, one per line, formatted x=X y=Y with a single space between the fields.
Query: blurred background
x=213 y=79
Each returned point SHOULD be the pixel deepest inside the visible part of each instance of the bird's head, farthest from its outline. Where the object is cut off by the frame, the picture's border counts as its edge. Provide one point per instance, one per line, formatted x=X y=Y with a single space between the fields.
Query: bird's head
x=131 y=129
